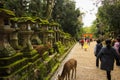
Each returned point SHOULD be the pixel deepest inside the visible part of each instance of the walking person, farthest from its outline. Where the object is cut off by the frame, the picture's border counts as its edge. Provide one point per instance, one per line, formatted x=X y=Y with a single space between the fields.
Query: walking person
x=107 y=56
x=85 y=45
x=88 y=41
x=116 y=46
x=82 y=43
x=97 y=48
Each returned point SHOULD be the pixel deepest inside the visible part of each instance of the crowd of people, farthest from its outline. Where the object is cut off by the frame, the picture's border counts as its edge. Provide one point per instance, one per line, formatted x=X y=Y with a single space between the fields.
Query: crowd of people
x=107 y=52
x=85 y=42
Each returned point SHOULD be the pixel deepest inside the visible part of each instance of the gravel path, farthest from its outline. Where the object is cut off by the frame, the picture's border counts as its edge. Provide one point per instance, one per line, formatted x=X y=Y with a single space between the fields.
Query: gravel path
x=86 y=69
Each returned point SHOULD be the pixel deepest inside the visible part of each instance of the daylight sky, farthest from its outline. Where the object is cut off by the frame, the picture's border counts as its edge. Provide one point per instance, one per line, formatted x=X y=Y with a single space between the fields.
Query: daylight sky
x=89 y=9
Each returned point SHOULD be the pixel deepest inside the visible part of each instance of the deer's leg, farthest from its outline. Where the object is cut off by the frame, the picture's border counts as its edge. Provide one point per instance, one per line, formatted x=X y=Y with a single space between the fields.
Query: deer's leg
x=72 y=73
x=68 y=75
x=75 y=72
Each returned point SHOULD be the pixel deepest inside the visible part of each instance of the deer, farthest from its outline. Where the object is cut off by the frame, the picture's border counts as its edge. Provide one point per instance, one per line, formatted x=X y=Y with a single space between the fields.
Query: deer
x=69 y=66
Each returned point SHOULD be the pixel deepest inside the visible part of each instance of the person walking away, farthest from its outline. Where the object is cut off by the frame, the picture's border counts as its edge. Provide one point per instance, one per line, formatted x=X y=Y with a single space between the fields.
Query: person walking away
x=82 y=42
x=85 y=45
x=116 y=46
x=88 y=41
x=97 y=47
x=107 y=56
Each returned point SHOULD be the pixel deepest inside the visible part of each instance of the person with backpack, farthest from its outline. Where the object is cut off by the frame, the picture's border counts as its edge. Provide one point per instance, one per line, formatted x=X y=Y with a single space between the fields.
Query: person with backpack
x=117 y=48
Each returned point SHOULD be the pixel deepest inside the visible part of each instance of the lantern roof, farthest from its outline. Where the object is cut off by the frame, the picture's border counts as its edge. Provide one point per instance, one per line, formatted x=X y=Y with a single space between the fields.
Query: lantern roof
x=44 y=22
x=24 y=20
x=54 y=24
x=37 y=19
x=6 y=13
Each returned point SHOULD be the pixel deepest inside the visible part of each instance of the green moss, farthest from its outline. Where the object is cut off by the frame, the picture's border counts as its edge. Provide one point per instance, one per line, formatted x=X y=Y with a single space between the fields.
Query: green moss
x=17 y=70
x=8 y=60
x=7 y=52
x=45 y=55
x=55 y=67
x=30 y=53
x=48 y=59
x=22 y=69
x=54 y=24
x=15 y=19
x=60 y=47
x=43 y=71
x=44 y=22
x=50 y=31
x=24 y=76
x=67 y=35
x=34 y=58
x=8 y=12
x=52 y=71
x=33 y=51
x=37 y=62
x=23 y=19
x=37 y=19
x=13 y=64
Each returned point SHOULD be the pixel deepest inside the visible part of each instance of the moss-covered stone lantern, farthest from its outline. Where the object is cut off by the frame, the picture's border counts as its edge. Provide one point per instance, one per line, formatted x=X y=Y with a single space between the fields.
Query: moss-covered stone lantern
x=50 y=36
x=25 y=32
x=5 y=30
x=67 y=37
x=14 y=34
x=56 y=29
x=62 y=37
x=36 y=28
x=53 y=26
x=44 y=25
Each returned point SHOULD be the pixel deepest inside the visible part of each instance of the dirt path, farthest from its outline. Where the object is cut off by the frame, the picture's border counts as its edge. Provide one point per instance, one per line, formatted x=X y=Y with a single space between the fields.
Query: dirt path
x=86 y=69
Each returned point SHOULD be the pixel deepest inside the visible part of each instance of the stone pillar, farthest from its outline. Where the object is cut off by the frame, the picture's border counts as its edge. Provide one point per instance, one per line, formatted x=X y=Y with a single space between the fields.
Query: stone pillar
x=26 y=43
x=35 y=38
x=14 y=40
x=5 y=47
x=5 y=30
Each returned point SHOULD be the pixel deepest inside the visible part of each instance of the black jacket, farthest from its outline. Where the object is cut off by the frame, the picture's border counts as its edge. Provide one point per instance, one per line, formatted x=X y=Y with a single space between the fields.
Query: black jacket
x=107 y=57
x=98 y=48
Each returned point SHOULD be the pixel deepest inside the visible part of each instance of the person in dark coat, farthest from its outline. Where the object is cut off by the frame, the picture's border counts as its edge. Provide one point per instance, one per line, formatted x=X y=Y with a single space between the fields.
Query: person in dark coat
x=98 y=47
x=107 y=56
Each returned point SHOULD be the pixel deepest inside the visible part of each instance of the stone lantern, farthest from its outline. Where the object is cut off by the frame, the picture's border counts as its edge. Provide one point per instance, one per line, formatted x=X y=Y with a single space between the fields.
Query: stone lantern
x=25 y=33
x=67 y=38
x=44 y=25
x=56 y=30
x=14 y=34
x=5 y=30
x=62 y=37
x=50 y=33
x=37 y=28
